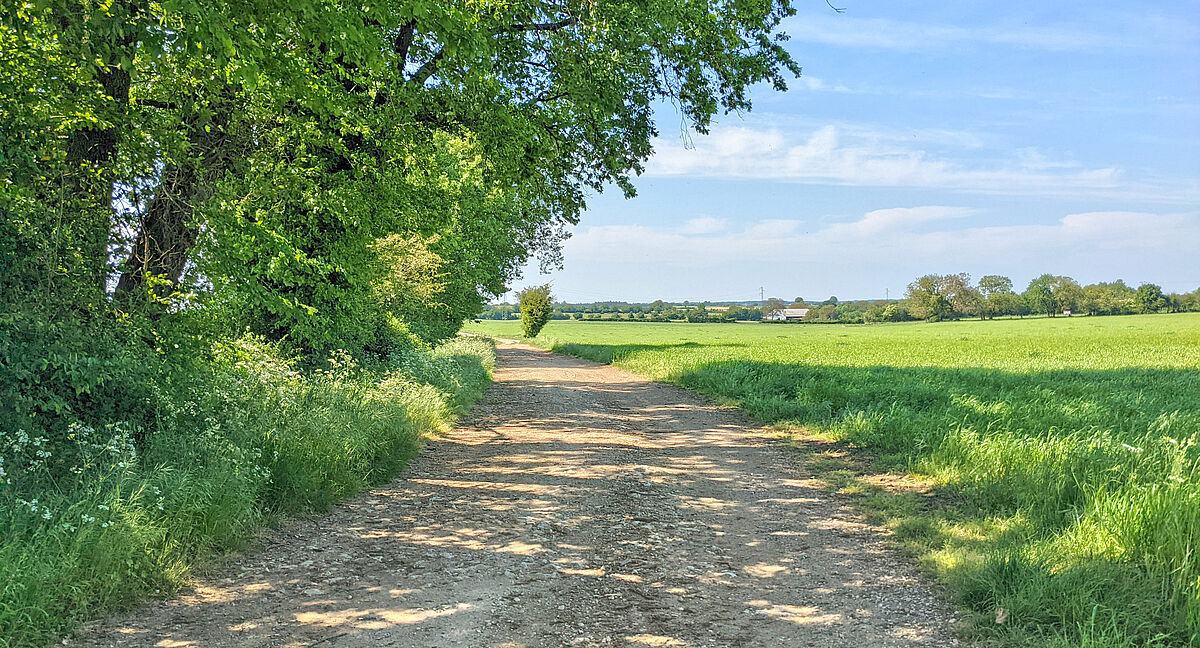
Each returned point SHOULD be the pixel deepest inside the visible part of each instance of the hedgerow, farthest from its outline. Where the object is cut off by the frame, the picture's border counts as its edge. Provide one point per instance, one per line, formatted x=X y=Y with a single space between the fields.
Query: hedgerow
x=104 y=514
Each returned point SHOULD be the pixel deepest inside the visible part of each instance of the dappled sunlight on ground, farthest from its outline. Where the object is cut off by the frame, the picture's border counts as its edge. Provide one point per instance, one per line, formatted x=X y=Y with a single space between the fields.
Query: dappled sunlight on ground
x=578 y=506
x=375 y=618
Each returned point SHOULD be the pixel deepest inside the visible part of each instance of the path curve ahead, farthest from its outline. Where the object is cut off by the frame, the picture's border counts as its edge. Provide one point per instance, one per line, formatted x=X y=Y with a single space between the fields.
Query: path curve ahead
x=579 y=505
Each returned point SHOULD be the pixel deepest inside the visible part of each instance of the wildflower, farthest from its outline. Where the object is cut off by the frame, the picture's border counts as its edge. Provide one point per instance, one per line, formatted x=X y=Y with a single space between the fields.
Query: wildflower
x=102 y=507
x=47 y=515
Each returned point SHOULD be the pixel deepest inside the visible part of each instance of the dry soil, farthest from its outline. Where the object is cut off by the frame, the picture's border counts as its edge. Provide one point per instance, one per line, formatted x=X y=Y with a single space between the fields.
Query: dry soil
x=578 y=505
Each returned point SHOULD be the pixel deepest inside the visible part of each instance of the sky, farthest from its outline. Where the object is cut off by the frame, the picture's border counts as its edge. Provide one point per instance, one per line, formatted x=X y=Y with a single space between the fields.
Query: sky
x=934 y=137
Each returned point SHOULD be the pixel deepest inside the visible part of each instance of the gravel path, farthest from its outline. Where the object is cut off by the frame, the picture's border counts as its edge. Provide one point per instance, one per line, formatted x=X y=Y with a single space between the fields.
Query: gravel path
x=579 y=505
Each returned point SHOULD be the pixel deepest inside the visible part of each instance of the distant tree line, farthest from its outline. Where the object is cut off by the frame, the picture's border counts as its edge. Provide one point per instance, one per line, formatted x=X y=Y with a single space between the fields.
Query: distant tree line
x=659 y=311
x=938 y=297
x=932 y=297
x=656 y=311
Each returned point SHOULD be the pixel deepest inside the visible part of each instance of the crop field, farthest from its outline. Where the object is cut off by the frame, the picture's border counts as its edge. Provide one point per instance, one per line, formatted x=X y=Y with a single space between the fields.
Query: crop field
x=1063 y=453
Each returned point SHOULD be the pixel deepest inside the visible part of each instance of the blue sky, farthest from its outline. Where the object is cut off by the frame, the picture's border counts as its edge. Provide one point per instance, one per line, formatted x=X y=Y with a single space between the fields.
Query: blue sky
x=980 y=137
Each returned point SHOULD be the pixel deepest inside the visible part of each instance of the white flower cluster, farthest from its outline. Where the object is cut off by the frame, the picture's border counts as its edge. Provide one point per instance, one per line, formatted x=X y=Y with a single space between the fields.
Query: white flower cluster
x=25 y=454
x=83 y=451
x=113 y=448
x=36 y=508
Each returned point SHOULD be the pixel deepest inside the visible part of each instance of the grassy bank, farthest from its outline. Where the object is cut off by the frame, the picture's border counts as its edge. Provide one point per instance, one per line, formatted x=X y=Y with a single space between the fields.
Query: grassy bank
x=1063 y=452
x=237 y=440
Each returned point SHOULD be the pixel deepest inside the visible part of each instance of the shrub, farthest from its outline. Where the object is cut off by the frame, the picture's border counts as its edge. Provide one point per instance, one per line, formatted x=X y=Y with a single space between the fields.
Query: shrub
x=92 y=520
x=536 y=309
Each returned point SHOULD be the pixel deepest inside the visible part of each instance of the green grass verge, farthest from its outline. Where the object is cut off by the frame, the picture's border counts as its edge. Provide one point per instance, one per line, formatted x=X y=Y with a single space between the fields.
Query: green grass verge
x=1062 y=454
x=238 y=442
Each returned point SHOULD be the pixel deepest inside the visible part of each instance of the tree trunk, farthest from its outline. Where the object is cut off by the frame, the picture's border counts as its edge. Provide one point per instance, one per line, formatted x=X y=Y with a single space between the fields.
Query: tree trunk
x=108 y=36
x=165 y=237
x=168 y=230
x=88 y=187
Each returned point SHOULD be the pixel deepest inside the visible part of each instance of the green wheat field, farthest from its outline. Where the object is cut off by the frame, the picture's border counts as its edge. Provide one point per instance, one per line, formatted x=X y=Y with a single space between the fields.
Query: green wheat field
x=1063 y=452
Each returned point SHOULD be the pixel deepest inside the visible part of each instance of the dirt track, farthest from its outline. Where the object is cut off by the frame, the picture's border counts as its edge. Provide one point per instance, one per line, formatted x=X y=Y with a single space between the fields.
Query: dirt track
x=579 y=505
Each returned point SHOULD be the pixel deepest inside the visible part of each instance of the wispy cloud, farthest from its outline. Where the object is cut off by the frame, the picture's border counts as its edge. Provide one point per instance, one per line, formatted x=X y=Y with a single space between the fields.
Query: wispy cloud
x=831 y=155
x=896 y=244
x=809 y=82
x=704 y=225
x=896 y=219
x=1109 y=31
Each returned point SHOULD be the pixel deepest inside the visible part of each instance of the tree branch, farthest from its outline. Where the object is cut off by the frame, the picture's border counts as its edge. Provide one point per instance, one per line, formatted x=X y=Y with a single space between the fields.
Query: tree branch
x=404 y=41
x=425 y=71
x=155 y=103
x=546 y=97
x=552 y=26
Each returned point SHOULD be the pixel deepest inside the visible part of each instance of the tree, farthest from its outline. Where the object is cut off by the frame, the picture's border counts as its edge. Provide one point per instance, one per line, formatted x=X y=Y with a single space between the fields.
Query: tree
x=897 y=312
x=926 y=298
x=1052 y=294
x=848 y=314
x=1191 y=301
x=1039 y=295
x=1006 y=303
x=962 y=296
x=1067 y=294
x=1108 y=298
x=259 y=152
x=744 y=313
x=1150 y=298
x=935 y=297
x=874 y=314
x=994 y=291
x=536 y=308
x=772 y=306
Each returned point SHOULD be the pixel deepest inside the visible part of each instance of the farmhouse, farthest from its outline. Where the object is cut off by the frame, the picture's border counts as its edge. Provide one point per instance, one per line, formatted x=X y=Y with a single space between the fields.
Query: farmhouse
x=785 y=314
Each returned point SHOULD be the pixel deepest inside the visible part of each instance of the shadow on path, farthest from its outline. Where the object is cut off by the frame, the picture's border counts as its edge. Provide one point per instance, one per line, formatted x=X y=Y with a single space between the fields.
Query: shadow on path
x=578 y=505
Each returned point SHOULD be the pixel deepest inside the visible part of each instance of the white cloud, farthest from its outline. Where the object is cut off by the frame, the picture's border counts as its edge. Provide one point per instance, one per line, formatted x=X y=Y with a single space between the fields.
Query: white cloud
x=862 y=157
x=704 y=225
x=890 y=239
x=818 y=84
x=897 y=219
x=886 y=34
x=879 y=251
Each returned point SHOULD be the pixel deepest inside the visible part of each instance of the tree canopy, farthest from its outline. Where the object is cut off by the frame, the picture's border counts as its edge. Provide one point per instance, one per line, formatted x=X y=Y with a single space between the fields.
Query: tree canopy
x=319 y=174
x=318 y=169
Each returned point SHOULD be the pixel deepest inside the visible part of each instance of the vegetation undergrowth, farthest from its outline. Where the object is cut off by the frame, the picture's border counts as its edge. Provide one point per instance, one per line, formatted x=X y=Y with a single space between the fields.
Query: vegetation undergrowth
x=1062 y=455
x=103 y=515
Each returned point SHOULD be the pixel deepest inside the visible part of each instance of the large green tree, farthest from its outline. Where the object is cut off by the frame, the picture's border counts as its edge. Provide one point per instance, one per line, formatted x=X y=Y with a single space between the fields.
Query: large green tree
x=995 y=293
x=935 y=297
x=268 y=153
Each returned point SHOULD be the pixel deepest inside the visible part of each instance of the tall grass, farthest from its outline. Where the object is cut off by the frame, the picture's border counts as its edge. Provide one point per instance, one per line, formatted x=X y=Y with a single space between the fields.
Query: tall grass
x=1066 y=451
x=238 y=440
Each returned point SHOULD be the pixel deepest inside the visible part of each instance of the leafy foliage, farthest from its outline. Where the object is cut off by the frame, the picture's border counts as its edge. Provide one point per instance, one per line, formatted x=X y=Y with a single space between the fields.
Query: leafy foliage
x=536 y=307
x=201 y=203
x=262 y=153
x=93 y=520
